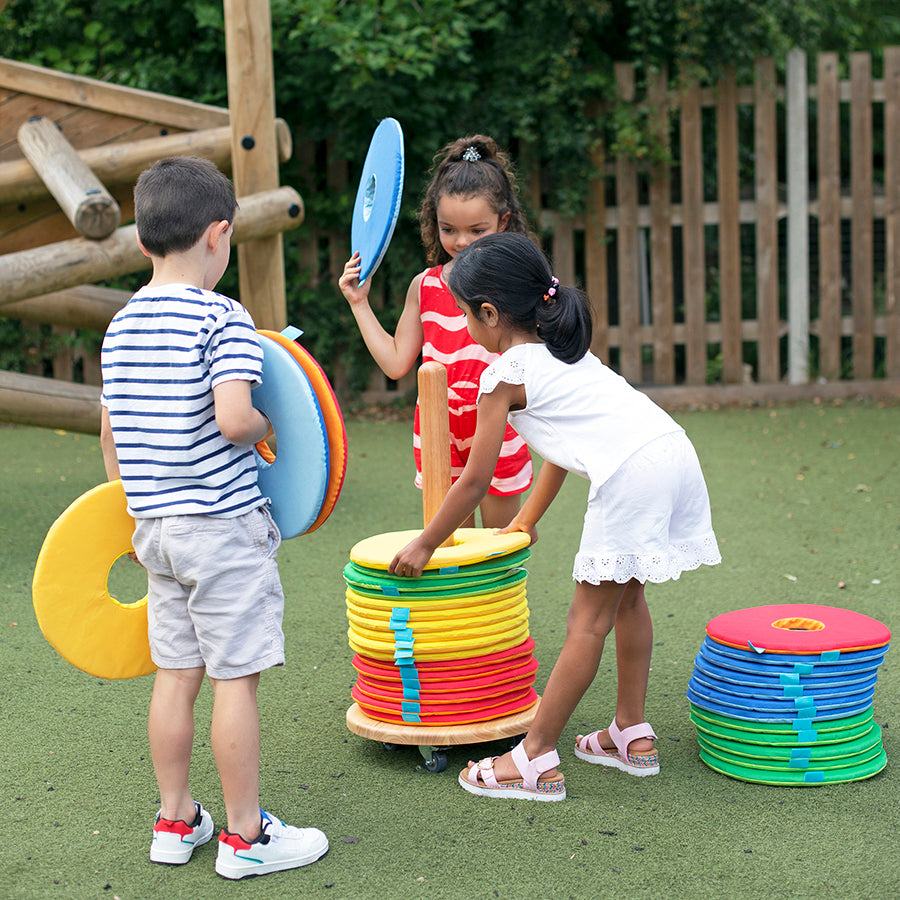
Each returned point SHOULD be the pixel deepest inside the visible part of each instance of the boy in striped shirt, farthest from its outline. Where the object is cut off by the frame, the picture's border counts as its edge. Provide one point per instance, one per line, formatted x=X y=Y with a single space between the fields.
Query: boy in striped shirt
x=177 y=425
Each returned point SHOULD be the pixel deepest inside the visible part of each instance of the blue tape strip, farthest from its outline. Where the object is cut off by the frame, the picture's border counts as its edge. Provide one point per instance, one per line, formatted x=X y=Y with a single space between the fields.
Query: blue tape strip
x=409 y=675
x=755 y=649
x=448 y=570
x=400 y=613
x=789 y=678
x=793 y=690
x=798 y=764
x=814 y=778
x=406 y=662
x=803 y=702
x=399 y=619
x=804 y=668
x=807 y=737
x=411 y=717
x=831 y=656
x=800 y=753
x=390 y=591
x=291 y=332
x=408 y=706
x=403 y=636
x=410 y=693
x=403 y=653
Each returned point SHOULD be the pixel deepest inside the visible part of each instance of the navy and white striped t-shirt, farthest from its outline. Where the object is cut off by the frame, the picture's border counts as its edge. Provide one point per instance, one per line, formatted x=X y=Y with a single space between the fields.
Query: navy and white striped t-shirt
x=162 y=355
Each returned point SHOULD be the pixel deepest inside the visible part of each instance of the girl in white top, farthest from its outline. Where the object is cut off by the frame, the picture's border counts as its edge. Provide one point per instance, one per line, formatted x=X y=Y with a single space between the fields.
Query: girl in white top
x=648 y=516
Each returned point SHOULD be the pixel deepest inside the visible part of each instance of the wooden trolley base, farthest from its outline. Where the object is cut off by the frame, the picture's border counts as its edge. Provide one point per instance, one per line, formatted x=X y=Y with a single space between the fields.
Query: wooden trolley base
x=433 y=741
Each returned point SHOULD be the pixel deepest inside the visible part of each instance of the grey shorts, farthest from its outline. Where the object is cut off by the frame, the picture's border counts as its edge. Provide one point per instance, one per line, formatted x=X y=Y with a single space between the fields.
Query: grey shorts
x=214 y=597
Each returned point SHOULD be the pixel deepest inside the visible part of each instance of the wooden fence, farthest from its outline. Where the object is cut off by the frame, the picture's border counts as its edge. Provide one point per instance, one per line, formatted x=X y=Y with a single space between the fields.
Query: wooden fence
x=766 y=252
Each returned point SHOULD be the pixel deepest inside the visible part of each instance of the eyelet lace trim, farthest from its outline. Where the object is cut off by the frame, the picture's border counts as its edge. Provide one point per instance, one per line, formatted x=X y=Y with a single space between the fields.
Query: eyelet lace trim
x=512 y=371
x=655 y=567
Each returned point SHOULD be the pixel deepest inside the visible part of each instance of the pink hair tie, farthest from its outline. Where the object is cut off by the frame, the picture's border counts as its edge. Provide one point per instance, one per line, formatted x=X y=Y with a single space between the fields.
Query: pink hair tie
x=550 y=296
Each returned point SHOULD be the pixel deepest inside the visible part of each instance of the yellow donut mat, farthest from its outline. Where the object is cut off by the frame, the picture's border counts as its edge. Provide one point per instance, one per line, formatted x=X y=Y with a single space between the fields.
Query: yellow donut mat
x=470 y=545
x=70 y=590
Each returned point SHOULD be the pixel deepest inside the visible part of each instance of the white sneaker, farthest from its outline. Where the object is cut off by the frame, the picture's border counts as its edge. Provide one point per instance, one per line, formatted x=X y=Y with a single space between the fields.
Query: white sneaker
x=175 y=841
x=279 y=847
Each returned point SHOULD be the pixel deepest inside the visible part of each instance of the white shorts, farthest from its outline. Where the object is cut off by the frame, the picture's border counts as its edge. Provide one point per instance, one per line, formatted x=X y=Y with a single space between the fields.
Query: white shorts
x=214 y=597
x=650 y=520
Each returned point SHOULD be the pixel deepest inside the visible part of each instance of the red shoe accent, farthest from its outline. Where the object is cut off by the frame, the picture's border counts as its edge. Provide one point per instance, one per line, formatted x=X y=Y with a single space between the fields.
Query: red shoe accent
x=235 y=841
x=174 y=827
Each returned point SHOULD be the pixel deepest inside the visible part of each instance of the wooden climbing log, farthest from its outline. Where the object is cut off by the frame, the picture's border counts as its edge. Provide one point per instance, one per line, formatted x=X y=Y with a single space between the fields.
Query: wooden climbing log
x=121 y=163
x=81 y=195
x=55 y=267
x=85 y=306
x=47 y=403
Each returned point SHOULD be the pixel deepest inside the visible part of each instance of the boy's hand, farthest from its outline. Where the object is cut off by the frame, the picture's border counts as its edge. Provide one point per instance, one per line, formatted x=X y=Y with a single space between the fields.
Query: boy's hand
x=412 y=559
x=349 y=282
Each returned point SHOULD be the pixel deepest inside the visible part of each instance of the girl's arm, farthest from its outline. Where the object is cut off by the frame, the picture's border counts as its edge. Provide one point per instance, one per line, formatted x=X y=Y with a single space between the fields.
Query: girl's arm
x=546 y=486
x=469 y=489
x=394 y=354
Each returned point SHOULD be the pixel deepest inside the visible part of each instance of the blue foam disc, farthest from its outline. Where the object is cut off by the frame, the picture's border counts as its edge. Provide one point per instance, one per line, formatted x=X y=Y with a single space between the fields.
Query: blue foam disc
x=296 y=480
x=786 y=681
x=801 y=722
x=378 y=197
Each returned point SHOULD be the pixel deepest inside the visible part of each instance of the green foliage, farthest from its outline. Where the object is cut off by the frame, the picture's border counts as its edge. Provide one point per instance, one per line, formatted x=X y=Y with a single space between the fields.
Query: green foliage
x=537 y=75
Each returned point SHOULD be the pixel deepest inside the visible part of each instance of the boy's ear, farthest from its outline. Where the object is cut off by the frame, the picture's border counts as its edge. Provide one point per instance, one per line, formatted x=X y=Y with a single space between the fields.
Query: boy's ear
x=143 y=249
x=215 y=233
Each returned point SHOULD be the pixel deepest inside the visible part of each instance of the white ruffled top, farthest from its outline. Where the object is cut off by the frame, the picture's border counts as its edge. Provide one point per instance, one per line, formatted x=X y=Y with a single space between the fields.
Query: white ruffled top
x=581 y=416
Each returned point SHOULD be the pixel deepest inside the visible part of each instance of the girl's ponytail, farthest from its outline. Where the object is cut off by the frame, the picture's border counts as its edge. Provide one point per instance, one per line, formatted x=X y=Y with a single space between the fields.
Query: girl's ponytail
x=509 y=271
x=564 y=323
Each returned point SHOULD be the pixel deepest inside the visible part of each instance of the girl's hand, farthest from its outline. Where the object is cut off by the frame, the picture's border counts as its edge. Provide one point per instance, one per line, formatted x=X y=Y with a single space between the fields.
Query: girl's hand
x=516 y=525
x=412 y=559
x=349 y=282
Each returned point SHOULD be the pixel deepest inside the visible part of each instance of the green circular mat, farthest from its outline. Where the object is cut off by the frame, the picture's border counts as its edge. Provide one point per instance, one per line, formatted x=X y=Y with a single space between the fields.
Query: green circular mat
x=798 y=777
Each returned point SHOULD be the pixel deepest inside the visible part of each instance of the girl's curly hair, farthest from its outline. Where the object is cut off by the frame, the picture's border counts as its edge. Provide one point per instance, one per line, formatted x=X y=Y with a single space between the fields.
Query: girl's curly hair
x=472 y=166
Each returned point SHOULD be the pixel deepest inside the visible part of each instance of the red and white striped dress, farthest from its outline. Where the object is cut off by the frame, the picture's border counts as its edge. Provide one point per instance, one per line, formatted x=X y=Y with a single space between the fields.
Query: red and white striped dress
x=447 y=341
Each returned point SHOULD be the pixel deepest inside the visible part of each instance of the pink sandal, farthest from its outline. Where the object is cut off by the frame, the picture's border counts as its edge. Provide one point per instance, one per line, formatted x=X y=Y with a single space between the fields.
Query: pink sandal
x=479 y=778
x=588 y=748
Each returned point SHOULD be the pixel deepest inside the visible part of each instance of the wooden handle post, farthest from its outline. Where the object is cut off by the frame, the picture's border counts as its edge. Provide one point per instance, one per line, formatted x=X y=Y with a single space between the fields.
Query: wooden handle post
x=434 y=435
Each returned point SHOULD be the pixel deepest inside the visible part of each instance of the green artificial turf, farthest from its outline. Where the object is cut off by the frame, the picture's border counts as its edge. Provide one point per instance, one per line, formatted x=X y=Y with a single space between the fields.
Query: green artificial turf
x=806 y=506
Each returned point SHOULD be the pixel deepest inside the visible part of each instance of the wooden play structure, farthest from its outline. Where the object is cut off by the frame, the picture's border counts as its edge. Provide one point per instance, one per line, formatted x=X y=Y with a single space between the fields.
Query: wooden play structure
x=71 y=149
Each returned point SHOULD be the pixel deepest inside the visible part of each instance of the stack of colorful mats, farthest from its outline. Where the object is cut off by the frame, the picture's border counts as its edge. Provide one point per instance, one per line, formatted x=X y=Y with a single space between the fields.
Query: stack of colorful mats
x=783 y=695
x=450 y=647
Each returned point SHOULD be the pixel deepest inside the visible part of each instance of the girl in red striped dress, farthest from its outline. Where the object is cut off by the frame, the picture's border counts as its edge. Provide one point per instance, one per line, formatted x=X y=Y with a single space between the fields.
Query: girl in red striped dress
x=472 y=193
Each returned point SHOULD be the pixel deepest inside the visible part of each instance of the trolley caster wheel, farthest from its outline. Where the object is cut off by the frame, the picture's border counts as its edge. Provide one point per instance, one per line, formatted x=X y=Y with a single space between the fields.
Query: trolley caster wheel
x=436 y=762
x=385 y=745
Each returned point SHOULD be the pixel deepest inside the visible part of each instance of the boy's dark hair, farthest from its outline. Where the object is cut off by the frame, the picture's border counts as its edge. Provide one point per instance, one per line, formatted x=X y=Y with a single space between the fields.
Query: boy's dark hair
x=177 y=199
x=511 y=273
x=472 y=166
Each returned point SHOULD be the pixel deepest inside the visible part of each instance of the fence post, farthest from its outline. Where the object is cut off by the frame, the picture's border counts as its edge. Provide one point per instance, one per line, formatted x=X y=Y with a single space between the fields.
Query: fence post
x=828 y=103
x=693 y=235
x=862 y=215
x=798 y=218
x=727 y=156
x=892 y=211
x=627 y=245
x=766 y=189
